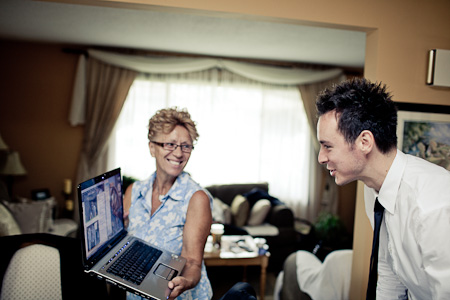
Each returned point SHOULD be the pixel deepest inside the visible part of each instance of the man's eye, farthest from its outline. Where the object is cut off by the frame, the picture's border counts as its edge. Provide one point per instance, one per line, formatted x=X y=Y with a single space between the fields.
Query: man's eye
x=170 y=145
x=186 y=147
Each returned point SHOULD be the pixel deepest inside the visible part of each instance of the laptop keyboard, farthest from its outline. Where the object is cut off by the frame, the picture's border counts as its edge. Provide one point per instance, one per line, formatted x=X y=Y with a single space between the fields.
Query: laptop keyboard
x=135 y=263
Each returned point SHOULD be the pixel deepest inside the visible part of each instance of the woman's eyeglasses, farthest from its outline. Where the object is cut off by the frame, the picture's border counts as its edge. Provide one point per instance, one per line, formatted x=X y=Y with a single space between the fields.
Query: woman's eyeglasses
x=173 y=147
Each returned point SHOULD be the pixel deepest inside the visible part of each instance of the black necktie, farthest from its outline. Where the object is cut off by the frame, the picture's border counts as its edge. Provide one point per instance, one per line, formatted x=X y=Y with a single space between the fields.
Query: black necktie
x=372 y=287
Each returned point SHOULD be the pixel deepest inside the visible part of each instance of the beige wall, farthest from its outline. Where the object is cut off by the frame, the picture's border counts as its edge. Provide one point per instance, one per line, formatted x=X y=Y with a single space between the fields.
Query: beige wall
x=34 y=104
x=36 y=85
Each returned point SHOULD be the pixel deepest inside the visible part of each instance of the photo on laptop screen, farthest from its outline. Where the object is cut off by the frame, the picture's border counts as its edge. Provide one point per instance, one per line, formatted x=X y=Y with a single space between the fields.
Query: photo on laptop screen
x=103 y=211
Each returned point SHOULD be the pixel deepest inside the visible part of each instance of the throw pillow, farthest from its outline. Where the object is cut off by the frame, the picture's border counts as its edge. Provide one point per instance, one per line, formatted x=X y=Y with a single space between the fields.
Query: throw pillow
x=239 y=209
x=33 y=216
x=8 y=225
x=221 y=212
x=258 y=194
x=259 y=212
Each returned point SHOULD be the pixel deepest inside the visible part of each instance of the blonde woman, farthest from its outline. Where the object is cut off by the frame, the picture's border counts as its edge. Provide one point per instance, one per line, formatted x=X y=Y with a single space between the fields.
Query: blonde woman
x=170 y=209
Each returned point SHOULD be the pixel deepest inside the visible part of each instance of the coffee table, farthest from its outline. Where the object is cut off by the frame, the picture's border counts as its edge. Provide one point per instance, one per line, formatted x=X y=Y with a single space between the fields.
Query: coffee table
x=232 y=255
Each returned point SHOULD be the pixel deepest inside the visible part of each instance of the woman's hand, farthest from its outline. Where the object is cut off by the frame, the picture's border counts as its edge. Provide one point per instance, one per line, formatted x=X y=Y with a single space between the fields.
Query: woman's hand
x=177 y=286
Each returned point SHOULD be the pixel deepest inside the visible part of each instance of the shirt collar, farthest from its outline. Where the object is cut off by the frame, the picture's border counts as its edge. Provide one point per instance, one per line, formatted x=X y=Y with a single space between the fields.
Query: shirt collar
x=148 y=187
x=390 y=187
x=172 y=194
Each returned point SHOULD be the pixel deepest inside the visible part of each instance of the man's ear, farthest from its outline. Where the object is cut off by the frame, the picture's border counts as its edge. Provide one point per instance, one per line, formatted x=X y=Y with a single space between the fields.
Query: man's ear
x=366 y=141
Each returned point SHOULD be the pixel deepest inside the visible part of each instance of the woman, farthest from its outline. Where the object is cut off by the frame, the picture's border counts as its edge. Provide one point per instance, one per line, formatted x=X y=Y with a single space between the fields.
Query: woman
x=169 y=209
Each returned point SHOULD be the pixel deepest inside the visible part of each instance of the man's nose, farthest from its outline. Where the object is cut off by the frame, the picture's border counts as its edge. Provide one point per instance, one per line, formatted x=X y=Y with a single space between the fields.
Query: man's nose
x=322 y=158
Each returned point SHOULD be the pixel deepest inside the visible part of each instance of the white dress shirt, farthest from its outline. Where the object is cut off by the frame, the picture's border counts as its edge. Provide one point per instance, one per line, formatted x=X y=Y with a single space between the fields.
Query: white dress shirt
x=414 y=255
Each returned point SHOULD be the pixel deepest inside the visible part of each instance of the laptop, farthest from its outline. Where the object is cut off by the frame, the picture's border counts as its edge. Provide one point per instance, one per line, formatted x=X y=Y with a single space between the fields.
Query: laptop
x=109 y=252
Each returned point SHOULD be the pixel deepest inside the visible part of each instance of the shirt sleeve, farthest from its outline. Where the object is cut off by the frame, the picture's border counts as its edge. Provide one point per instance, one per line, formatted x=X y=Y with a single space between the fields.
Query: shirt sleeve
x=434 y=245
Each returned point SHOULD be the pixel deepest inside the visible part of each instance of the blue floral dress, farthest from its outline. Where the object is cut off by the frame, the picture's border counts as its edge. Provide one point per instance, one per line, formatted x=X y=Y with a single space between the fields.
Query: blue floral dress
x=165 y=227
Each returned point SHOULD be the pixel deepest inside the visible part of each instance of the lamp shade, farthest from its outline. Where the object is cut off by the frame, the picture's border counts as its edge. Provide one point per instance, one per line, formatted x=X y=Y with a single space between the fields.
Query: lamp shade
x=13 y=165
x=3 y=146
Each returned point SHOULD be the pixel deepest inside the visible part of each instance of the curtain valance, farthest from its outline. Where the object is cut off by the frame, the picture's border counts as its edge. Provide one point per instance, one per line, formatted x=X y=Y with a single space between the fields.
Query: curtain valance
x=144 y=64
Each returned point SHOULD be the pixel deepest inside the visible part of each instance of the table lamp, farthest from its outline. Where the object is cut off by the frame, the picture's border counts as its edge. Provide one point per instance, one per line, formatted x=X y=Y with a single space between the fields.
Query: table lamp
x=10 y=165
x=3 y=146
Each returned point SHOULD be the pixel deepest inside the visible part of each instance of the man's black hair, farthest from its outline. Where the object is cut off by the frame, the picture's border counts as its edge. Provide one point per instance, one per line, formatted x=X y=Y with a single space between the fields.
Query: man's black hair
x=362 y=105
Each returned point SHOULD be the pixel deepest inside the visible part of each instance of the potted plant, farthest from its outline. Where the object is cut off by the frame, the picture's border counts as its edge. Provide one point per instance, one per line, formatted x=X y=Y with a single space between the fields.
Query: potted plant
x=331 y=234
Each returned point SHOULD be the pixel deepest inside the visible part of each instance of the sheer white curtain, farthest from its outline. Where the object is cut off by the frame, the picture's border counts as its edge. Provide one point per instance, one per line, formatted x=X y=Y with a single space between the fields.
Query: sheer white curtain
x=249 y=131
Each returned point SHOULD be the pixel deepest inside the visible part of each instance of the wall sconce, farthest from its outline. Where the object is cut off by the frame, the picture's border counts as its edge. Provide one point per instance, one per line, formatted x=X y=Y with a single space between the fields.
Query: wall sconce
x=439 y=68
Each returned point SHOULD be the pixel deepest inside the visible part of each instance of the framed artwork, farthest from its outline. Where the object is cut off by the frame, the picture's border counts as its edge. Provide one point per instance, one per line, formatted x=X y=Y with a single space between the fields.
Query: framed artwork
x=424 y=131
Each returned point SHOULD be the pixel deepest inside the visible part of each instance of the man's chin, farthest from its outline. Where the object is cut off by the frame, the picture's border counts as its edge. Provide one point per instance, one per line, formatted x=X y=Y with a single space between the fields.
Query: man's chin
x=341 y=182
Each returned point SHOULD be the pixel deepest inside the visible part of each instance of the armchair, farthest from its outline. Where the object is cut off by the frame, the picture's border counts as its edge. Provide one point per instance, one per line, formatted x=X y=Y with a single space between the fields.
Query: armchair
x=45 y=266
x=305 y=277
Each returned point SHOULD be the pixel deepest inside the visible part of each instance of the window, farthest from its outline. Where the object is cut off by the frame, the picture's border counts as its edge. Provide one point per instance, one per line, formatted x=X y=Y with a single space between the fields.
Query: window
x=249 y=132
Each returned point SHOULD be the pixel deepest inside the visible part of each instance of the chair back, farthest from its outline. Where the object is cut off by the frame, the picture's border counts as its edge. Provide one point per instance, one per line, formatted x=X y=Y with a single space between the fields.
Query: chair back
x=33 y=273
x=46 y=266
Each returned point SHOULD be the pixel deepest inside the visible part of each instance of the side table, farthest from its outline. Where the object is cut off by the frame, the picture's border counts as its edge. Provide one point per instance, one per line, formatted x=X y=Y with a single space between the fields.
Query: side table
x=229 y=255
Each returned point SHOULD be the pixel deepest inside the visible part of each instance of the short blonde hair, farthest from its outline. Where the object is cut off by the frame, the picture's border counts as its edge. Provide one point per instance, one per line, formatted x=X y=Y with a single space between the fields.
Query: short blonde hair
x=165 y=120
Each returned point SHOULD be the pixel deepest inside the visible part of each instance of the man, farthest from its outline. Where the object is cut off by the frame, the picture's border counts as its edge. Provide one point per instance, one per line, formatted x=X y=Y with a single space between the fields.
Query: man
x=357 y=133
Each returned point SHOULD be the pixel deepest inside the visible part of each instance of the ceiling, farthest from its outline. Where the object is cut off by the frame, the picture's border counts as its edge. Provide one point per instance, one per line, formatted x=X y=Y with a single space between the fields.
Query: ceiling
x=179 y=32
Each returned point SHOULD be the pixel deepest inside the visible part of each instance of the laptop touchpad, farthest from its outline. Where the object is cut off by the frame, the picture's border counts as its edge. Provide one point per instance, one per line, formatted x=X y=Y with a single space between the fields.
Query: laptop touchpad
x=165 y=272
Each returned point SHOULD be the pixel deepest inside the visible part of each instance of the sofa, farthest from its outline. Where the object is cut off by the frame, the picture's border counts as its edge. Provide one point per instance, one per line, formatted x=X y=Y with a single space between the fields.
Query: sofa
x=250 y=209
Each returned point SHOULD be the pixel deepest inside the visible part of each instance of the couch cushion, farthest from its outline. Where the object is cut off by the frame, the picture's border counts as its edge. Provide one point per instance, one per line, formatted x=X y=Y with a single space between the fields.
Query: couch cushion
x=227 y=192
x=240 y=209
x=259 y=212
x=221 y=212
x=264 y=230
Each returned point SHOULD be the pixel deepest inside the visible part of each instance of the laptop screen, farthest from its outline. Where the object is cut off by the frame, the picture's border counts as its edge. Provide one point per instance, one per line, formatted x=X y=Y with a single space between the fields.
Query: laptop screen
x=102 y=210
